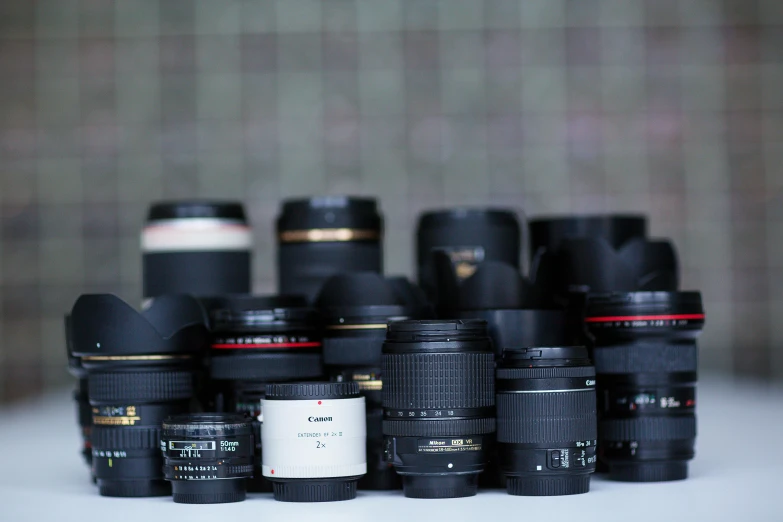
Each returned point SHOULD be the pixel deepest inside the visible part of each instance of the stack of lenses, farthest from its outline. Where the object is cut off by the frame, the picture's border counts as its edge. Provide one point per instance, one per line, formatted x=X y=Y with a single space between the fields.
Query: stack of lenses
x=256 y=341
x=546 y=414
x=321 y=237
x=201 y=248
x=140 y=369
x=646 y=360
x=468 y=236
x=438 y=400
x=356 y=309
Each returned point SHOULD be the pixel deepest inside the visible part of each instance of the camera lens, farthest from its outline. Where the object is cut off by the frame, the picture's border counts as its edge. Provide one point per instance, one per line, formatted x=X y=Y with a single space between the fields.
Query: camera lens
x=546 y=417
x=356 y=309
x=314 y=439
x=616 y=230
x=468 y=236
x=646 y=362
x=140 y=369
x=196 y=247
x=80 y=394
x=438 y=400
x=245 y=397
x=208 y=457
x=323 y=236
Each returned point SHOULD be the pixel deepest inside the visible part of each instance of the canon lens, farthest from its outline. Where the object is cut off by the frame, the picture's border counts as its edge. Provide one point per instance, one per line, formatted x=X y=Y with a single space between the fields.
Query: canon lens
x=469 y=236
x=208 y=457
x=546 y=420
x=438 y=400
x=314 y=439
x=646 y=362
x=323 y=236
x=201 y=248
x=140 y=369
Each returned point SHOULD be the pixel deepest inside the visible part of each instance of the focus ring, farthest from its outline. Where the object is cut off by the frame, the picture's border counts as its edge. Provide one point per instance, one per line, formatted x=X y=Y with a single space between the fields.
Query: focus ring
x=645 y=357
x=546 y=373
x=438 y=380
x=137 y=386
x=649 y=428
x=127 y=438
x=432 y=428
x=534 y=418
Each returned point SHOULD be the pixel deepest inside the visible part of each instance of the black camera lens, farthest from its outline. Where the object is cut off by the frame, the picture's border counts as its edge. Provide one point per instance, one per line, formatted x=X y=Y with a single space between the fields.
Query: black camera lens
x=438 y=400
x=546 y=420
x=469 y=236
x=356 y=309
x=323 y=236
x=208 y=457
x=80 y=394
x=196 y=247
x=615 y=229
x=646 y=362
x=245 y=397
x=140 y=369
x=314 y=438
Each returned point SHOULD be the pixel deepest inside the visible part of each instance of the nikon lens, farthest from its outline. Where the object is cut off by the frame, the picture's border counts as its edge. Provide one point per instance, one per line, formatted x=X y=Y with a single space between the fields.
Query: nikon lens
x=438 y=400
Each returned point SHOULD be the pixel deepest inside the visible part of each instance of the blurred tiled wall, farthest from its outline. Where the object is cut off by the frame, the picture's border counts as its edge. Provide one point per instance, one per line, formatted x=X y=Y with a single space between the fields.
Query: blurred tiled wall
x=670 y=107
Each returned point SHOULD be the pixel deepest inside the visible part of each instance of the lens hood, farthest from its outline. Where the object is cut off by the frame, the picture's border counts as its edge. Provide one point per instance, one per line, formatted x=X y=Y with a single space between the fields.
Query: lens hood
x=105 y=325
x=615 y=229
x=367 y=295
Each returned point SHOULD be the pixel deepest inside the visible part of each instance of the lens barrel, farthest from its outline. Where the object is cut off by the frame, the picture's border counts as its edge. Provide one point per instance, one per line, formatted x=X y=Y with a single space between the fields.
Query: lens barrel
x=615 y=229
x=469 y=236
x=208 y=457
x=646 y=357
x=546 y=415
x=323 y=236
x=438 y=399
x=314 y=437
x=196 y=247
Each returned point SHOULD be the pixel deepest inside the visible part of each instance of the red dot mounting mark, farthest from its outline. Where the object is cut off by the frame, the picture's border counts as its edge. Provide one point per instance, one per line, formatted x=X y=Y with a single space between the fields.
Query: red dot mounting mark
x=272 y=472
x=319 y=403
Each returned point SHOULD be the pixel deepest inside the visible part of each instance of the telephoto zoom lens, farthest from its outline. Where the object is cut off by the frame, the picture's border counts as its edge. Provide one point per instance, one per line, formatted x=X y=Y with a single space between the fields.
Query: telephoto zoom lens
x=140 y=369
x=201 y=248
x=356 y=309
x=314 y=438
x=646 y=362
x=208 y=457
x=469 y=236
x=439 y=404
x=323 y=236
x=547 y=426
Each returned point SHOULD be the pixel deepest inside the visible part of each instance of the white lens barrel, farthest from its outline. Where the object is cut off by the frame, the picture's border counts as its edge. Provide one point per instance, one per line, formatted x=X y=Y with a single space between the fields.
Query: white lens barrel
x=195 y=234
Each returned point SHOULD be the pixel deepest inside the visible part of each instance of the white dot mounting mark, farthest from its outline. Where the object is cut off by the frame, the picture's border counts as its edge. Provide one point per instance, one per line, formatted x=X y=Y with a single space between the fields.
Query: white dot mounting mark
x=451 y=465
x=98 y=345
x=538 y=468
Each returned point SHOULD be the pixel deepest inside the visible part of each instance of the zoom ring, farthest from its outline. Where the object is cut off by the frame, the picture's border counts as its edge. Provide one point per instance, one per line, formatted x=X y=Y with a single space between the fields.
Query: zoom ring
x=564 y=416
x=157 y=386
x=545 y=373
x=438 y=381
x=129 y=438
x=444 y=428
x=645 y=357
x=648 y=428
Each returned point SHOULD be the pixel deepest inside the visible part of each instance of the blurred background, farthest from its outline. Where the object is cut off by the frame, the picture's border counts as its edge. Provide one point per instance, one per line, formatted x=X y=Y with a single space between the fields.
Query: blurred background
x=669 y=107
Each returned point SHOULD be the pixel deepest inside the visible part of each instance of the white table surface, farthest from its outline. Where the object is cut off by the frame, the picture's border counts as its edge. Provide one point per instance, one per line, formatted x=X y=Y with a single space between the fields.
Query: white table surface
x=736 y=476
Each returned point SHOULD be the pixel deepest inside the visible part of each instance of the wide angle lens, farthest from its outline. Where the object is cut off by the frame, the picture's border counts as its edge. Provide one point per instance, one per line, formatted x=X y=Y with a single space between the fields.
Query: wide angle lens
x=314 y=439
x=140 y=370
x=646 y=362
x=469 y=236
x=208 y=457
x=438 y=399
x=201 y=248
x=80 y=395
x=323 y=236
x=546 y=420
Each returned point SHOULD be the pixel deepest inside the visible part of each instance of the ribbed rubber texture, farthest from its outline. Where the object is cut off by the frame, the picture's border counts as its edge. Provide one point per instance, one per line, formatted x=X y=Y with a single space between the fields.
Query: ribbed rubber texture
x=209 y=498
x=438 y=380
x=545 y=373
x=138 y=386
x=648 y=428
x=245 y=469
x=548 y=486
x=267 y=367
x=650 y=472
x=126 y=438
x=534 y=418
x=325 y=390
x=644 y=357
x=314 y=491
x=437 y=428
x=134 y=488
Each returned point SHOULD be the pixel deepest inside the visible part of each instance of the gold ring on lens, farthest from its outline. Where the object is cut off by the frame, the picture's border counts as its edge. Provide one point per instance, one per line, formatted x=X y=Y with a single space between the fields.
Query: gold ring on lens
x=378 y=326
x=370 y=385
x=321 y=235
x=133 y=357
